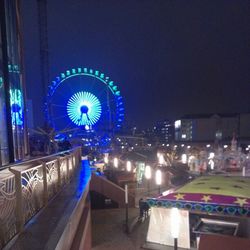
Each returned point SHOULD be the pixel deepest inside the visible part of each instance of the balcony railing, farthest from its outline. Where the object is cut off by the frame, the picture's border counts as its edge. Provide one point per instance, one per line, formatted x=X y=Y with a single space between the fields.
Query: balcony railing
x=26 y=187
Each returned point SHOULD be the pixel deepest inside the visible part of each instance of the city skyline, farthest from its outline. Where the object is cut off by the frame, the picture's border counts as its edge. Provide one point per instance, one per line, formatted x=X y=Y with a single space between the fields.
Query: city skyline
x=168 y=58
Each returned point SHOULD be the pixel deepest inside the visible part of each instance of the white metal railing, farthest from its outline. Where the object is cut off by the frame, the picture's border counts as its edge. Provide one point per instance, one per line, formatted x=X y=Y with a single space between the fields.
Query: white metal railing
x=27 y=186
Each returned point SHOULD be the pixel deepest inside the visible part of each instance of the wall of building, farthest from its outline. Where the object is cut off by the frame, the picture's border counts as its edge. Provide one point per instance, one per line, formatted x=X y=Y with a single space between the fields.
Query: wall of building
x=13 y=136
x=164 y=131
x=244 y=129
x=204 y=129
x=213 y=127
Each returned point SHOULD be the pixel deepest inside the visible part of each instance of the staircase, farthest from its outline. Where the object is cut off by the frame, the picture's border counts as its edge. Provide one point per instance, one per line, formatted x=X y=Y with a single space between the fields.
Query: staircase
x=109 y=189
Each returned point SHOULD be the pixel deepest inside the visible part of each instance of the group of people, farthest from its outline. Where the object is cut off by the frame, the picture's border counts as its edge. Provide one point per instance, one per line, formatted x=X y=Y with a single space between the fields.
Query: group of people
x=144 y=208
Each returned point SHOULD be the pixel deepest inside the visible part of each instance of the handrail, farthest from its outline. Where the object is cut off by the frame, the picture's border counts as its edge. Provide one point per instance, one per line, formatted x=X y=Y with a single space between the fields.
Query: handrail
x=27 y=186
x=35 y=159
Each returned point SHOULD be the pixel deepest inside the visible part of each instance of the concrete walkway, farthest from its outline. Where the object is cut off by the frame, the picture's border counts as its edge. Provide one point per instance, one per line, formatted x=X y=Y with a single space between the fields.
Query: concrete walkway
x=108 y=225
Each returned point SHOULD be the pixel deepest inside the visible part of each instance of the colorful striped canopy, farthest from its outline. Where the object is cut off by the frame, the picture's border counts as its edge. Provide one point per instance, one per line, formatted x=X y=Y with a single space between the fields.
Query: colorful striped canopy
x=228 y=195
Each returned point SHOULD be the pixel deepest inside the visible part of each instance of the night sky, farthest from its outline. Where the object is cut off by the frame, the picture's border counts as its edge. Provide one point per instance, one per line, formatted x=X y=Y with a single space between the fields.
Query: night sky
x=168 y=57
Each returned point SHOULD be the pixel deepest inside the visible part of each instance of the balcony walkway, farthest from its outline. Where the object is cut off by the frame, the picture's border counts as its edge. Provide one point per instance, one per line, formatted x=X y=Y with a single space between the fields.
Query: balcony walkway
x=45 y=229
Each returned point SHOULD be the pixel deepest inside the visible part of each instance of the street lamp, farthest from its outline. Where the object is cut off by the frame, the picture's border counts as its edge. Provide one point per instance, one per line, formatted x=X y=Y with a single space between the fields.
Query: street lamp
x=158 y=179
x=129 y=166
x=161 y=159
x=148 y=175
x=126 y=208
x=106 y=159
x=115 y=162
x=244 y=171
x=211 y=160
x=175 y=225
x=184 y=158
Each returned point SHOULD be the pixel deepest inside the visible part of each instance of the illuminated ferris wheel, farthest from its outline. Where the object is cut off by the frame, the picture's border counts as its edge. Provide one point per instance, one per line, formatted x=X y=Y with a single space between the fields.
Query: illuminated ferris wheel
x=84 y=98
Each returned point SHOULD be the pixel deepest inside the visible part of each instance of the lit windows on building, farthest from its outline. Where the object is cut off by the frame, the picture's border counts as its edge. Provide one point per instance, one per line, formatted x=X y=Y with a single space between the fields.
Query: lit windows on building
x=183 y=130
x=218 y=135
x=164 y=131
x=177 y=124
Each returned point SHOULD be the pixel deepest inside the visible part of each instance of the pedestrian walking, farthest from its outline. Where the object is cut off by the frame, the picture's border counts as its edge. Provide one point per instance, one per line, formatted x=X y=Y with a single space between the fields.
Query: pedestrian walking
x=141 y=203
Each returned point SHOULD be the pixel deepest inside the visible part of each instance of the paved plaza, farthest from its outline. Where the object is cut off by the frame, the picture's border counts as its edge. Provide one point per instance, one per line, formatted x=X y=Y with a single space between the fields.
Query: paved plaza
x=108 y=230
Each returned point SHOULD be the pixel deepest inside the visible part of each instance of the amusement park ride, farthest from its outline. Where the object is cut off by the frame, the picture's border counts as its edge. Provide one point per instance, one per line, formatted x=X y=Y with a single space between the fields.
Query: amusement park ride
x=81 y=100
x=84 y=101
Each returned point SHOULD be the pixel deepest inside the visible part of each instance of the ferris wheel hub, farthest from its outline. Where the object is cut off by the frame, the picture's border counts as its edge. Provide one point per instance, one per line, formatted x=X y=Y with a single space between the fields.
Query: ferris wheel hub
x=84 y=109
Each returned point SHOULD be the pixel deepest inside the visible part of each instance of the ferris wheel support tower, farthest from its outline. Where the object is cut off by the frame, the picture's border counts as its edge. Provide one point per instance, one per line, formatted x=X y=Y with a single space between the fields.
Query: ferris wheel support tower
x=44 y=46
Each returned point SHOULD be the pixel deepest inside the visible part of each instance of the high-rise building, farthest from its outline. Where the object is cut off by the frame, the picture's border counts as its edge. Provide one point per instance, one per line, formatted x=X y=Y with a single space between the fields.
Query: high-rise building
x=13 y=136
x=164 y=131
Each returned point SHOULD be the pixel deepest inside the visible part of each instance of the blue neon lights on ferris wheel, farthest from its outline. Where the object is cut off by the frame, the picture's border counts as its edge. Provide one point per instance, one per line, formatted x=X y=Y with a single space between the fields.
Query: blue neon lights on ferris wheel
x=84 y=108
x=53 y=112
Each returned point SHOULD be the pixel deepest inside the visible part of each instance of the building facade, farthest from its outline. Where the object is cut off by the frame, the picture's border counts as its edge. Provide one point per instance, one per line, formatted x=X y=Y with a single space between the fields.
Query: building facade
x=13 y=133
x=212 y=127
x=164 y=131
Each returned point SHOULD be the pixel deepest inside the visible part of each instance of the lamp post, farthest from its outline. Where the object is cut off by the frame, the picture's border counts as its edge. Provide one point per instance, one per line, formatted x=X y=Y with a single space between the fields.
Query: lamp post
x=161 y=159
x=115 y=162
x=211 y=160
x=158 y=179
x=148 y=175
x=126 y=208
x=175 y=225
x=244 y=171
x=184 y=158
x=106 y=159
x=129 y=166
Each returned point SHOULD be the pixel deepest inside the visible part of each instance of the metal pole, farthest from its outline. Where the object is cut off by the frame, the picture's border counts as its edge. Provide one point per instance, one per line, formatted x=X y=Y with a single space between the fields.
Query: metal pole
x=175 y=244
x=3 y=30
x=148 y=187
x=126 y=206
x=159 y=189
x=23 y=80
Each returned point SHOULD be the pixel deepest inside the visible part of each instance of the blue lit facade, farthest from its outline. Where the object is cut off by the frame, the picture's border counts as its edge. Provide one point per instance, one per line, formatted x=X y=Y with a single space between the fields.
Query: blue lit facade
x=13 y=136
x=83 y=96
x=16 y=104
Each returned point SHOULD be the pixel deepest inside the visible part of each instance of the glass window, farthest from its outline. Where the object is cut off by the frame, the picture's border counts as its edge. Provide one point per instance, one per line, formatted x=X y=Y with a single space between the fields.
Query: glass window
x=15 y=78
x=12 y=63
x=4 y=156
